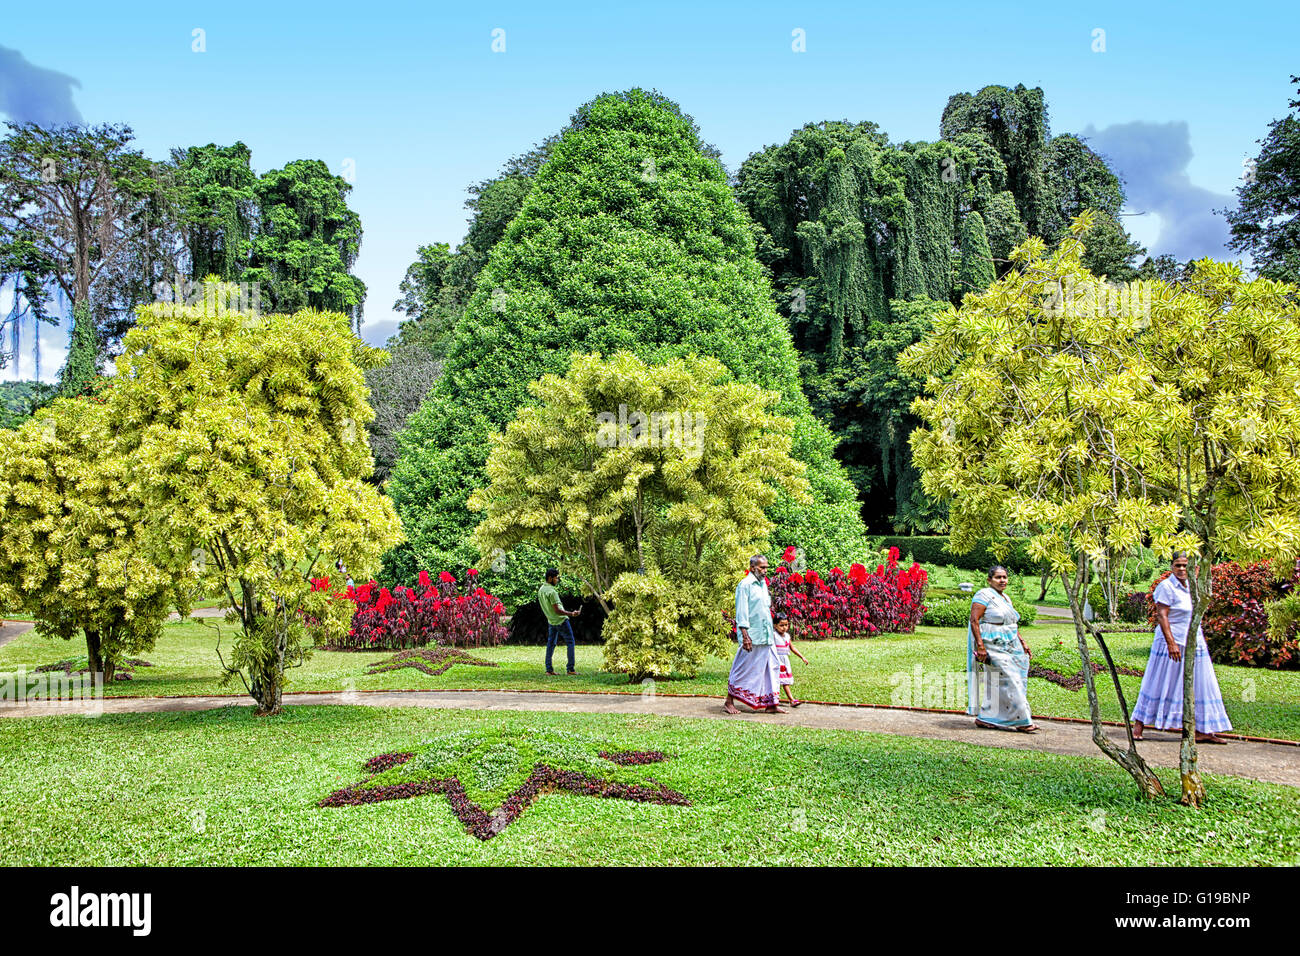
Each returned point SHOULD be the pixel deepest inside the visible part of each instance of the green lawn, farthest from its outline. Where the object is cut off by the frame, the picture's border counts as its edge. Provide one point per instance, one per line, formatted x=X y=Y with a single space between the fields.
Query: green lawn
x=880 y=670
x=224 y=788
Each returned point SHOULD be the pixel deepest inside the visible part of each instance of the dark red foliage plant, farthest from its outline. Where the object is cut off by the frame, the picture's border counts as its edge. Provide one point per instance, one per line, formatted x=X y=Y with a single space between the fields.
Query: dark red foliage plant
x=1236 y=619
x=402 y=617
x=857 y=604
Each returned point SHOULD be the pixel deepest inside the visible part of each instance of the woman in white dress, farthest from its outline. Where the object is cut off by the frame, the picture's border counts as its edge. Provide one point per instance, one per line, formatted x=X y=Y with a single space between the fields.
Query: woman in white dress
x=1160 y=700
x=997 y=660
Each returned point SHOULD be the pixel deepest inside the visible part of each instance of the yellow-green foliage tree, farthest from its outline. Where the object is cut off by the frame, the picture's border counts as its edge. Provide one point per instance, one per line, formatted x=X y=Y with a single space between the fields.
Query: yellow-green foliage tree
x=651 y=482
x=1097 y=418
x=245 y=435
x=77 y=551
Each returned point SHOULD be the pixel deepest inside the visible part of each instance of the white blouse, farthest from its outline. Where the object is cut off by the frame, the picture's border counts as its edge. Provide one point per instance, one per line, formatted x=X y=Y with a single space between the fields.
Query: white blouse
x=1178 y=598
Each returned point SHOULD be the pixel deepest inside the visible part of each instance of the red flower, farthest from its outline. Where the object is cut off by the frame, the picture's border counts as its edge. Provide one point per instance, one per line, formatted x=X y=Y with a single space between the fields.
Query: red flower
x=424 y=580
x=447 y=577
x=790 y=554
x=472 y=573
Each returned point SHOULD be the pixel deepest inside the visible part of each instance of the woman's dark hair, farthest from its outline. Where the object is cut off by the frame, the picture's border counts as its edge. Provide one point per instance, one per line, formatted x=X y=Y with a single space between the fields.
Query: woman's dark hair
x=778 y=618
x=995 y=569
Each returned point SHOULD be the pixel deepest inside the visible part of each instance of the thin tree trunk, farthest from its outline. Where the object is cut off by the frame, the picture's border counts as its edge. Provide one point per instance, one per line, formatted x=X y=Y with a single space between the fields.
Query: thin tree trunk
x=1147 y=782
x=96 y=663
x=1193 y=789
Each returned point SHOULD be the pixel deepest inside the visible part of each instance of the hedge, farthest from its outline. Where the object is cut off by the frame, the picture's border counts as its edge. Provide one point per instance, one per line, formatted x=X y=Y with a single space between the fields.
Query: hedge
x=932 y=550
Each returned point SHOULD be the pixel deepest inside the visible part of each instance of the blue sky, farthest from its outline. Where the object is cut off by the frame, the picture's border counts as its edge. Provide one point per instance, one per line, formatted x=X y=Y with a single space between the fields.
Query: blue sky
x=413 y=94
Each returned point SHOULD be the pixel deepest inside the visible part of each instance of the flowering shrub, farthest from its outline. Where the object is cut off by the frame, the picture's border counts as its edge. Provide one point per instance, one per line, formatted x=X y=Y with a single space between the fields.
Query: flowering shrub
x=857 y=604
x=401 y=617
x=1236 y=619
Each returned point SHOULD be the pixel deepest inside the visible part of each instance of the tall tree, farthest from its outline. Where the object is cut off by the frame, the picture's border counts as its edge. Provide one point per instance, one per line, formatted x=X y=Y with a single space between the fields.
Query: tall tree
x=1098 y=421
x=1266 y=223
x=217 y=199
x=80 y=552
x=307 y=241
x=75 y=203
x=1014 y=122
x=629 y=239
x=865 y=400
x=245 y=435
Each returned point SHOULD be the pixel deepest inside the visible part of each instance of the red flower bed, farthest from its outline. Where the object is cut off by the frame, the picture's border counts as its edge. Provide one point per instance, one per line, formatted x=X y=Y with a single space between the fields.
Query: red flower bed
x=1236 y=620
x=857 y=604
x=403 y=617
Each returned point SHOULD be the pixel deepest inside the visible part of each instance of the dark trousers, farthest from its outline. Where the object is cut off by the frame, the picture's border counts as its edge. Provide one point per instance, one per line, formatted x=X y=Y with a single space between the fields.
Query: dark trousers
x=553 y=632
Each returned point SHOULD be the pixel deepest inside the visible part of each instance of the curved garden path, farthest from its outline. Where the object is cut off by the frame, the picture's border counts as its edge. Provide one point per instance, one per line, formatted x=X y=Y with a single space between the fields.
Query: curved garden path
x=1276 y=762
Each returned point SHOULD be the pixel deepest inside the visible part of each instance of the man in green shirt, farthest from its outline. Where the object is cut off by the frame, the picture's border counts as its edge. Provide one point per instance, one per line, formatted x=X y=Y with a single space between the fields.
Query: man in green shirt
x=557 y=618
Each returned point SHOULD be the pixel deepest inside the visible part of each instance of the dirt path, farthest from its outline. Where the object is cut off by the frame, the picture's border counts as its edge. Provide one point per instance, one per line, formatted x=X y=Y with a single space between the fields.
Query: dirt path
x=1276 y=763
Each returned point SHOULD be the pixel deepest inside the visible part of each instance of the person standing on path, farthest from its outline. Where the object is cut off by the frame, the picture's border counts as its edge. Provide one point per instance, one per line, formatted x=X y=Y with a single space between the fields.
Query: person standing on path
x=755 y=674
x=557 y=618
x=1160 y=699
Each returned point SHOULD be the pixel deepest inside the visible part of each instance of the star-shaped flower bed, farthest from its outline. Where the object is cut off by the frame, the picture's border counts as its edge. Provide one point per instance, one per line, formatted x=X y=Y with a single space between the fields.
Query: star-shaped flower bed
x=506 y=770
x=432 y=660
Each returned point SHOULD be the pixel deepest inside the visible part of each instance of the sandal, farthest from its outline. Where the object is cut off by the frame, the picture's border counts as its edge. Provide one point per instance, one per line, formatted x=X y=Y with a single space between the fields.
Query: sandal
x=981 y=724
x=1031 y=729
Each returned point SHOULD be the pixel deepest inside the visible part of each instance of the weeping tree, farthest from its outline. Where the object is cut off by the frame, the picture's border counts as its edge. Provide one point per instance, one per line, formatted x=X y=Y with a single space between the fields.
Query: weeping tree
x=245 y=436
x=1097 y=418
x=650 y=483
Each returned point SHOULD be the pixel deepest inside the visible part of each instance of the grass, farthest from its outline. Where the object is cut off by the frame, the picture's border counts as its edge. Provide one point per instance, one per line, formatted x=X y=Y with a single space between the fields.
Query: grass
x=881 y=670
x=224 y=788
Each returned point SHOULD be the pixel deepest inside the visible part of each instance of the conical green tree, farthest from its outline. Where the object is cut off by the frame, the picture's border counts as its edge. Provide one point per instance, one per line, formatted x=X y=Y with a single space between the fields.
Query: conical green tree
x=630 y=238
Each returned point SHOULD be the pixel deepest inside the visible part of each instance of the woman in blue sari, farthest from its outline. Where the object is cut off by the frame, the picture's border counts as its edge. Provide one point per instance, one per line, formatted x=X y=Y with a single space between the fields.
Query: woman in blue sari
x=997 y=660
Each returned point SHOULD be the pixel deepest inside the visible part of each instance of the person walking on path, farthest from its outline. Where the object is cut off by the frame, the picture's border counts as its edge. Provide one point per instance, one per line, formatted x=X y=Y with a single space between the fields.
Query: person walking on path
x=755 y=673
x=557 y=618
x=784 y=646
x=998 y=659
x=1160 y=699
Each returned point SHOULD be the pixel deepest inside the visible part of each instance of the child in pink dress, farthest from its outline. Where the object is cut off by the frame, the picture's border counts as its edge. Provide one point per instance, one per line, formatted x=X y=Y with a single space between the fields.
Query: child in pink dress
x=784 y=646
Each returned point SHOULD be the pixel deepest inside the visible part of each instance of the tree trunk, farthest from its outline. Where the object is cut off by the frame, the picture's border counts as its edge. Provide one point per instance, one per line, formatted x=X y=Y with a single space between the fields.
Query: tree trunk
x=96 y=663
x=267 y=687
x=1147 y=782
x=1193 y=789
x=268 y=697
